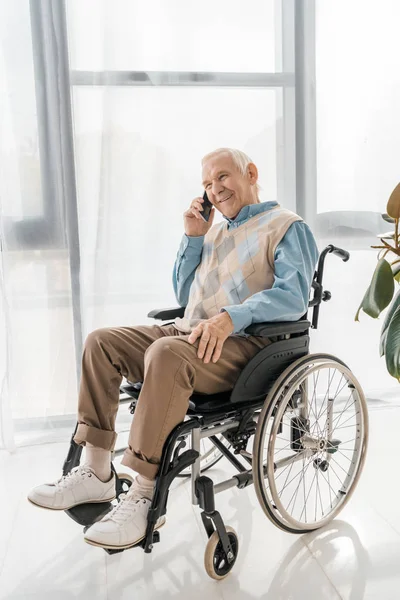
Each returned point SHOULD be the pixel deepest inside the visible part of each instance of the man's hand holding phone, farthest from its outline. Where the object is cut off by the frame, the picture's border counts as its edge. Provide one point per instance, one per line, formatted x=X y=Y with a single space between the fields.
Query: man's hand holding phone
x=195 y=224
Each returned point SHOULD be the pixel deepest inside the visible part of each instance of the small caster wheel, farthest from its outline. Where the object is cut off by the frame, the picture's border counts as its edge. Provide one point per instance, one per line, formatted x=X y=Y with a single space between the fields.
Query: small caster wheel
x=126 y=481
x=320 y=464
x=215 y=559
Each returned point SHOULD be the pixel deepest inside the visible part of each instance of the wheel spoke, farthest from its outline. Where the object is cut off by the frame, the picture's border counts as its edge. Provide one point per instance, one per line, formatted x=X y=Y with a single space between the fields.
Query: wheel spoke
x=318 y=493
x=330 y=489
x=305 y=503
x=284 y=448
x=348 y=419
x=284 y=485
x=282 y=471
x=336 y=475
x=293 y=478
x=303 y=472
x=327 y=393
x=344 y=456
x=335 y=396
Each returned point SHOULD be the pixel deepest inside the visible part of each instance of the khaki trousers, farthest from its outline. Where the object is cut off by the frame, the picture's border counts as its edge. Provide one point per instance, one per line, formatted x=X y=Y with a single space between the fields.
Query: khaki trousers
x=167 y=363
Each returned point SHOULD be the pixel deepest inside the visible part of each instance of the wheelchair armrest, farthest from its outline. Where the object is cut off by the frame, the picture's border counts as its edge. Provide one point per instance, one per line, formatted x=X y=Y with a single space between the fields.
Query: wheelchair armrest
x=257 y=329
x=278 y=328
x=165 y=314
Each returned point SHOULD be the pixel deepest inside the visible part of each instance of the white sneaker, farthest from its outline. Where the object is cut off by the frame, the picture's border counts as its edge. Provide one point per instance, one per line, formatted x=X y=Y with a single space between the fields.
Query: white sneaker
x=80 y=486
x=125 y=525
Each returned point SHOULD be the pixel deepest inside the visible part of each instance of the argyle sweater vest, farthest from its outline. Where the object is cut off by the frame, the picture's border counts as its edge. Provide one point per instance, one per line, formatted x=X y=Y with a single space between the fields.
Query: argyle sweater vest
x=235 y=264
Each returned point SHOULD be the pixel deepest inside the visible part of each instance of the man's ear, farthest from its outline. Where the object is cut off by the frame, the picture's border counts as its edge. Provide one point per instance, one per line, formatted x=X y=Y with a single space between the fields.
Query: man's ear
x=252 y=173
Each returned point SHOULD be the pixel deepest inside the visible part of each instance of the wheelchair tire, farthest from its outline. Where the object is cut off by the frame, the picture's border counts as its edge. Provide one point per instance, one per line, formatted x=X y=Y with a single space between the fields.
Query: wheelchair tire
x=215 y=560
x=299 y=440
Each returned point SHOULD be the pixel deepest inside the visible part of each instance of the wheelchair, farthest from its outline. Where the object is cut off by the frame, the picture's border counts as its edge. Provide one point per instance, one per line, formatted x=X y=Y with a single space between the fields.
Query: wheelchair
x=295 y=425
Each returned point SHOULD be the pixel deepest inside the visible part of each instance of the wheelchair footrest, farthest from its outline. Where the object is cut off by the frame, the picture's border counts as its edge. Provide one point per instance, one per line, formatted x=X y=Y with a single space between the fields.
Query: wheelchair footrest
x=110 y=551
x=87 y=514
x=156 y=538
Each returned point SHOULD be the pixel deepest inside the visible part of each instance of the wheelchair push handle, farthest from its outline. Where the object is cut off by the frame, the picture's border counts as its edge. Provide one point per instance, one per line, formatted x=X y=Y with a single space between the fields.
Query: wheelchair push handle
x=343 y=254
x=319 y=293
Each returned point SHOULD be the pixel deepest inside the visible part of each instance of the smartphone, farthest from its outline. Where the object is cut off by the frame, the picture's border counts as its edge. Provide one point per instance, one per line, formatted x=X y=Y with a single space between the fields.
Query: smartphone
x=207 y=206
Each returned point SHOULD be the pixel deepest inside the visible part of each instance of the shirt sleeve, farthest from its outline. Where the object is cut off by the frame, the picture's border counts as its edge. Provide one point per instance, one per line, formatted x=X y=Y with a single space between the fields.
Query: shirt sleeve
x=186 y=263
x=294 y=260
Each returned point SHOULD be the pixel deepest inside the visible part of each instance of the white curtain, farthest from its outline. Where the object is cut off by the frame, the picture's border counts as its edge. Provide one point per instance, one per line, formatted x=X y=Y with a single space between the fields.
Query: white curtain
x=37 y=362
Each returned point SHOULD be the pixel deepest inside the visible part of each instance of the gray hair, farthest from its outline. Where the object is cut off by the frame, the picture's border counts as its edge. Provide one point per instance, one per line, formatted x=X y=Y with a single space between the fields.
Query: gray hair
x=240 y=159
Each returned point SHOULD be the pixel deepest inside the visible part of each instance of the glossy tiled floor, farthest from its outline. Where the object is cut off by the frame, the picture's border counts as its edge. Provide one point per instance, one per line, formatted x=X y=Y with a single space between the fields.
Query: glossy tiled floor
x=43 y=556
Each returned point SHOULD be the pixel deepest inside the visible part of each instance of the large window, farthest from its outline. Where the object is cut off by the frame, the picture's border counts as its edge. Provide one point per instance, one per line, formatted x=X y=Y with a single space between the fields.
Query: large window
x=155 y=86
x=138 y=167
x=177 y=35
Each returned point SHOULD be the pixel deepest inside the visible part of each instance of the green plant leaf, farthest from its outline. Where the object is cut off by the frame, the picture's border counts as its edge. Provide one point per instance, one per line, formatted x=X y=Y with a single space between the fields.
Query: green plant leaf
x=388 y=317
x=392 y=346
x=388 y=219
x=396 y=271
x=393 y=205
x=380 y=291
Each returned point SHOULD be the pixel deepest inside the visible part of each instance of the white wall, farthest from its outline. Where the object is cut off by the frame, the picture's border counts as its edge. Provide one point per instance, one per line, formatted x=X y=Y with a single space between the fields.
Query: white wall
x=358 y=162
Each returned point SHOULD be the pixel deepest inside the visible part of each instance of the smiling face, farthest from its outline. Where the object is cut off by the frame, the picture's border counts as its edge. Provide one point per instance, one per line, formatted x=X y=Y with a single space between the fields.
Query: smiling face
x=227 y=189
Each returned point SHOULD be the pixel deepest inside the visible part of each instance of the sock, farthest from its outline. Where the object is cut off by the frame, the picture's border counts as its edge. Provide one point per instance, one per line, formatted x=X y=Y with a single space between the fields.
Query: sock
x=99 y=460
x=144 y=487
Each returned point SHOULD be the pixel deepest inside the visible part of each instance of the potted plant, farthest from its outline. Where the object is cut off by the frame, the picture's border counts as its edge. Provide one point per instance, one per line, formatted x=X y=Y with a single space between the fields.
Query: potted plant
x=380 y=292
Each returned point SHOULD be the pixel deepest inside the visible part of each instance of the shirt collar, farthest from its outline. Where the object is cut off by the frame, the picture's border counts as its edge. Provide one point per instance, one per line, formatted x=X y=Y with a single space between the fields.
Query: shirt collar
x=250 y=210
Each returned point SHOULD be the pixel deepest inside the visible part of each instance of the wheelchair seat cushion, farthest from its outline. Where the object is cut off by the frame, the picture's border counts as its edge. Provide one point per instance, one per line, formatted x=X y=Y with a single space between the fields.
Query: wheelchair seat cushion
x=252 y=385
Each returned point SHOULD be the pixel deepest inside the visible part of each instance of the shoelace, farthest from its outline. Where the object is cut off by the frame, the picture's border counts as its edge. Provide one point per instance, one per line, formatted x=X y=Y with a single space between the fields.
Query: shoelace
x=73 y=476
x=124 y=508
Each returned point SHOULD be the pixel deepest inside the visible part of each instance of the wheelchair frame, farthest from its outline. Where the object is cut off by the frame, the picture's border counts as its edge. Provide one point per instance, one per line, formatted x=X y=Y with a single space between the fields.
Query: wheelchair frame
x=234 y=413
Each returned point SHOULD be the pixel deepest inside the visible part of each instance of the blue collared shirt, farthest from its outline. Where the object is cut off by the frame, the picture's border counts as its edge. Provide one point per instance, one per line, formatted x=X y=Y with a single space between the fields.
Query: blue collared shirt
x=295 y=259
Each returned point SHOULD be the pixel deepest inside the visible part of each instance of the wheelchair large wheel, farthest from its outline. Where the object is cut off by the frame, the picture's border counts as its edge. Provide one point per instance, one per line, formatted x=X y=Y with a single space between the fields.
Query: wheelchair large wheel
x=310 y=443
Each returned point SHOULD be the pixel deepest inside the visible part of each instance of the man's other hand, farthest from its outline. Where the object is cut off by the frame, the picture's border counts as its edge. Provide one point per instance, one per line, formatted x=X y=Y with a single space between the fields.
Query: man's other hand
x=213 y=333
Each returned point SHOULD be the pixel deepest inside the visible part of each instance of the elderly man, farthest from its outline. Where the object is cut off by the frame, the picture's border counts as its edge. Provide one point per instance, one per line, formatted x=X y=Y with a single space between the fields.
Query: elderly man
x=255 y=266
